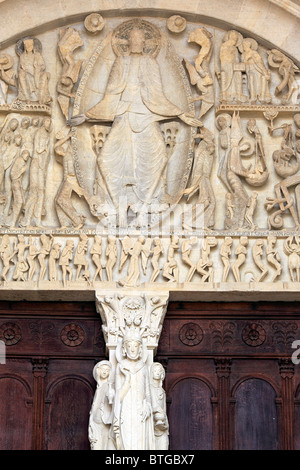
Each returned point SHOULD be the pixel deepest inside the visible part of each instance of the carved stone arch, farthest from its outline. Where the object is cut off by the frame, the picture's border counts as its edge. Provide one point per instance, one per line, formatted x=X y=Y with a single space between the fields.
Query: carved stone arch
x=242 y=16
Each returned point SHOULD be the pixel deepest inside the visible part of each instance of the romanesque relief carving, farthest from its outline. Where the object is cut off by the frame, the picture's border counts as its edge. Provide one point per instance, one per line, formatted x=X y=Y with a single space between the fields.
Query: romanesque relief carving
x=200 y=74
x=7 y=77
x=101 y=412
x=239 y=205
x=240 y=253
x=129 y=407
x=134 y=159
x=176 y=24
x=94 y=23
x=33 y=77
x=258 y=76
x=231 y=69
x=292 y=250
x=108 y=132
x=89 y=262
x=200 y=181
x=288 y=88
x=69 y=41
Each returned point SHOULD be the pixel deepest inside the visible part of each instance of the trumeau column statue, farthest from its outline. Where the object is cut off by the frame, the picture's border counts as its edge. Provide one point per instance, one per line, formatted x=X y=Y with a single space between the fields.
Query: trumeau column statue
x=129 y=407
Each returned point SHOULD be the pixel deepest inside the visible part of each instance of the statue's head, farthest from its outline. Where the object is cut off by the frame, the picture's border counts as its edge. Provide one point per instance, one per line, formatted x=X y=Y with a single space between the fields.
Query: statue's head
x=28 y=45
x=158 y=372
x=102 y=370
x=13 y=124
x=136 y=41
x=132 y=345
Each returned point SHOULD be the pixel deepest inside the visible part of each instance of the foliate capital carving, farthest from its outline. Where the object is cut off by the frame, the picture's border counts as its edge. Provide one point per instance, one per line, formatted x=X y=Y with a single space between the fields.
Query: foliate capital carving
x=39 y=366
x=286 y=368
x=223 y=367
x=125 y=312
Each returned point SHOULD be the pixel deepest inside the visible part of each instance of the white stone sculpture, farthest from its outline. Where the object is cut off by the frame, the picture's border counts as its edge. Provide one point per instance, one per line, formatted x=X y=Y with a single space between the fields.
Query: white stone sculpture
x=200 y=182
x=186 y=248
x=80 y=259
x=7 y=76
x=225 y=253
x=46 y=244
x=96 y=251
x=64 y=261
x=240 y=253
x=157 y=252
x=200 y=74
x=133 y=403
x=273 y=257
x=287 y=69
x=53 y=258
x=101 y=412
x=69 y=41
x=231 y=69
x=133 y=157
x=32 y=75
x=170 y=269
x=292 y=250
x=257 y=253
x=204 y=265
x=258 y=76
x=158 y=403
x=34 y=206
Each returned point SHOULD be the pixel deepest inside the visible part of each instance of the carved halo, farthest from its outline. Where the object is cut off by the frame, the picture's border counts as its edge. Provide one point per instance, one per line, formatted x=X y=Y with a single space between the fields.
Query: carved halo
x=253 y=44
x=37 y=45
x=120 y=37
x=239 y=37
x=8 y=64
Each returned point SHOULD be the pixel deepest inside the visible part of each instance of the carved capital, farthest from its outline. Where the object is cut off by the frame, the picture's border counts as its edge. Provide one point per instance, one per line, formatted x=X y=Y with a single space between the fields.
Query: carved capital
x=223 y=367
x=39 y=366
x=121 y=312
x=286 y=368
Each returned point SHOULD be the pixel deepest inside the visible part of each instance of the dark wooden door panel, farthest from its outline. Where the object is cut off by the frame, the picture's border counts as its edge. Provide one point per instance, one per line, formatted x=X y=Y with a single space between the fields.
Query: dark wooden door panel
x=15 y=414
x=190 y=416
x=256 y=420
x=70 y=402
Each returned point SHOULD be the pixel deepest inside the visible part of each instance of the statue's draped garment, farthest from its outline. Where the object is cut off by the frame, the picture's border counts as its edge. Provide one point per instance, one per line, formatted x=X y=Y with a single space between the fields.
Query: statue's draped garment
x=134 y=153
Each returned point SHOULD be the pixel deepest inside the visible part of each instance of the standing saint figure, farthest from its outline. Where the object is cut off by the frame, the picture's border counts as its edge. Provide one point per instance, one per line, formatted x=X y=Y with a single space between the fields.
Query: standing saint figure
x=231 y=69
x=132 y=415
x=32 y=75
x=158 y=397
x=34 y=207
x=258 y=75
x=134 y=155
x=101 y=411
